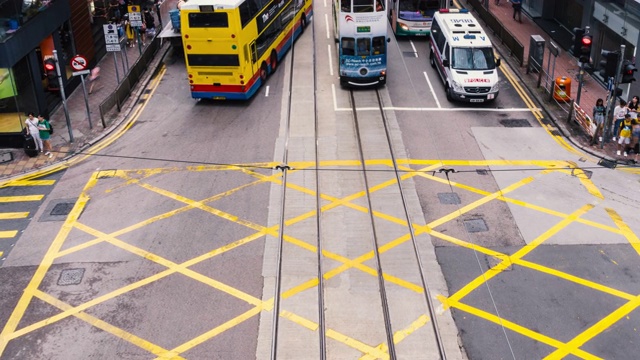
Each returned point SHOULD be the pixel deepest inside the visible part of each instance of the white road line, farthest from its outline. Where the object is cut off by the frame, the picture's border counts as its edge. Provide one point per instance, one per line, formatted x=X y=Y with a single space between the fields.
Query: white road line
x=394 y=108
x=326 y=23
x=266 y=91
x=325 y=3
x=431 y=87
x=330 y=60
x=415 y=52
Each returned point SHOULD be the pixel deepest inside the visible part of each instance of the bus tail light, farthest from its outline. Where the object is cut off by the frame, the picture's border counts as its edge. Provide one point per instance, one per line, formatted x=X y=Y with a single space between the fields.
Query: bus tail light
x=189 y=47
x=241 y=82
x=186 y=36
x=383 y=73
x=233 y=36
x=241 y=76
x=190 y=81
x=190 y=76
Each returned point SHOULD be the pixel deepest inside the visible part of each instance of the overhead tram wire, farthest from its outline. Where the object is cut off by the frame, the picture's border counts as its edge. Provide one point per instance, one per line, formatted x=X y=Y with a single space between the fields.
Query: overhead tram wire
x=414 y=242
x=440 y=157
x=383 y=293
x=322 y=334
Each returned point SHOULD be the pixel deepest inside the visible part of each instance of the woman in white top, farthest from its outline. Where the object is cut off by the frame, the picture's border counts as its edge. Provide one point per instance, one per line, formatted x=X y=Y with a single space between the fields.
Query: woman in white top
x=32 y=129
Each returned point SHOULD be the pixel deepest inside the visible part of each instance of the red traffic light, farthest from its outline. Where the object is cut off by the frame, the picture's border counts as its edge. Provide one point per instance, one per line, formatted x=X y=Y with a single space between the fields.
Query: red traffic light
x=586 y=40
x=49 y=64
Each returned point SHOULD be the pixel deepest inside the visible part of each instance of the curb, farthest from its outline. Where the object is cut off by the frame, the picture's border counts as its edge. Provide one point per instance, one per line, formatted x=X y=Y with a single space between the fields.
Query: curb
x=121 y=118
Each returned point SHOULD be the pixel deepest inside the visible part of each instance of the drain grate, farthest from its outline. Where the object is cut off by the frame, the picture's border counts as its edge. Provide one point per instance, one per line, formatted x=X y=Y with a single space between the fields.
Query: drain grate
x=511 y=123
x=71 y=277
x=482 y=172
x=409 y=54
x=608 y=163
x=449 y=198
x=475 y=225
x=62 y=209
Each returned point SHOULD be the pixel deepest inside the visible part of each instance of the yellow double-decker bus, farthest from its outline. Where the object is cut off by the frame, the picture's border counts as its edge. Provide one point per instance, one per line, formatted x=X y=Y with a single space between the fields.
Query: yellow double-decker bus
x=231 y=46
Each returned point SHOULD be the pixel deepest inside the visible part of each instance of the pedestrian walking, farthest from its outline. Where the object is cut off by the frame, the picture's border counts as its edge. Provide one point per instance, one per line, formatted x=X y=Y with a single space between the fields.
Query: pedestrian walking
x=45 y=131
x=32 y=129
x=517 y=9
x=598 y=117
x=128 y=29
x=624 y=135
x=93 y=77
x=633 y=107
x=618 y=114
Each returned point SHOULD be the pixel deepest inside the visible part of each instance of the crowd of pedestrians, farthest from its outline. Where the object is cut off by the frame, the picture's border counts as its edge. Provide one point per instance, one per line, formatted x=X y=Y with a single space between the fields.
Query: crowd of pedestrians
x=118 y=14
x=626 y=127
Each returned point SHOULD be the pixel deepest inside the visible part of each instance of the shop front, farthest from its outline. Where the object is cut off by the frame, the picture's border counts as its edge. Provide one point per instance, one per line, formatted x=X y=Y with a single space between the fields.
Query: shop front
x=31 y=31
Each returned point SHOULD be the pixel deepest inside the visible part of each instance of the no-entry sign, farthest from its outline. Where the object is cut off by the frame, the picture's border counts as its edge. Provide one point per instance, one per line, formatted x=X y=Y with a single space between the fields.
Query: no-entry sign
x=78 y=63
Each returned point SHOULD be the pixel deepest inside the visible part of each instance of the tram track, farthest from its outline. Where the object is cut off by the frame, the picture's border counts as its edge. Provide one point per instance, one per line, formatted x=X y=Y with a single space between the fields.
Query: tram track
x=397 y=174
x=358 y=304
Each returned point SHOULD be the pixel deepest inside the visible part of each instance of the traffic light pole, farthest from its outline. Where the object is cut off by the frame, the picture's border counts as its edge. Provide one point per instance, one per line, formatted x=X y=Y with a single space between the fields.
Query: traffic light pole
x=64 y=98
x=579 y=52
x=579 y=83
x=606 y=131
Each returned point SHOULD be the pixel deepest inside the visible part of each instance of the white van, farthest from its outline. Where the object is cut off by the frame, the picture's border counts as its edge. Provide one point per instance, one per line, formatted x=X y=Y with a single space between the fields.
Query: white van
x=463 y=55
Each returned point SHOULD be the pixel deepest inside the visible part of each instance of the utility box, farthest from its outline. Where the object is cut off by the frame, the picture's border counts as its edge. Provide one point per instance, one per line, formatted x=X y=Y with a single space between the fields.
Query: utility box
x=536 y=53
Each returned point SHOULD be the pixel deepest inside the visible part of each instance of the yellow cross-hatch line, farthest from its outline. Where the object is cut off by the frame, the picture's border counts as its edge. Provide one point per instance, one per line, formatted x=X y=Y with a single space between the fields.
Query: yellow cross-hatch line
x=18 y=198
x=13 y=215
x=380 y=350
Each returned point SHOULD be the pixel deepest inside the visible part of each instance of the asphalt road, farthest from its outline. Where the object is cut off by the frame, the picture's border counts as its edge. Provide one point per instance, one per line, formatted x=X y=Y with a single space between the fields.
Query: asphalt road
x=164 y=252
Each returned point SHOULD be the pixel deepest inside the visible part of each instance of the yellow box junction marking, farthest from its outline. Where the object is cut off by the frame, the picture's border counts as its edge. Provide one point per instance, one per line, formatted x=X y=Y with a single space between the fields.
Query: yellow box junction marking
x=137 y=177
x=13 y=215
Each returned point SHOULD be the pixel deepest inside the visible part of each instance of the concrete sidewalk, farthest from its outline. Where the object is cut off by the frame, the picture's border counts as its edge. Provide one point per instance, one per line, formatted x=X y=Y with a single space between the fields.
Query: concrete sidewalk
x=76 y=105
x=565 y=65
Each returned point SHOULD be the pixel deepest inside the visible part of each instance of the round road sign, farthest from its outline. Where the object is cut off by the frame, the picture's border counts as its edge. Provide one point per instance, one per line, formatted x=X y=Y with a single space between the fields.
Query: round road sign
x=78 y=63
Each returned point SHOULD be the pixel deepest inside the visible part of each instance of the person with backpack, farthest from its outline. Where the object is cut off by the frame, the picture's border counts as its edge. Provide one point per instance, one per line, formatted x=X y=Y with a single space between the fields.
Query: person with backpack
x=33 y=131
x=624 y=135
x=45 y=130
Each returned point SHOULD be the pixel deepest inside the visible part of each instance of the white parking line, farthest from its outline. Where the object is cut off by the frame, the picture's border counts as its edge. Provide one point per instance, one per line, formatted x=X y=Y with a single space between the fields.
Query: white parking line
x=266 y=91
x=326 y=24
x=395 y=108
x=431 y=87
x=415 y=52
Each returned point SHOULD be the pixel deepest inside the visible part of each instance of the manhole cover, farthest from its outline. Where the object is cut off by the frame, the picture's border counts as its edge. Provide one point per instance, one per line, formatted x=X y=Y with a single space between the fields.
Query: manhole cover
x=71 y=277
x=482 y=172
x=475 y=225
x=449 y=198
x=582 y=174
x=515 y=123
x=6 y=157
x=62 y=209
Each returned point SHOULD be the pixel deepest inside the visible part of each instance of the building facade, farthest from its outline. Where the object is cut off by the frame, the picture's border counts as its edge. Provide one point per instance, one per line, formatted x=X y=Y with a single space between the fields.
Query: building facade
x=30 y=30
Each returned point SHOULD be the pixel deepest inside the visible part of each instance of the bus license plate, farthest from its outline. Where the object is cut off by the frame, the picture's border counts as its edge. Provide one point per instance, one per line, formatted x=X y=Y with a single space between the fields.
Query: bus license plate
x=476 y=100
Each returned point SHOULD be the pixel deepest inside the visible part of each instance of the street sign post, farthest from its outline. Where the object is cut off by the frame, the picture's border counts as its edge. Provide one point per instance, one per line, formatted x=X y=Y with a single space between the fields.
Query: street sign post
x=79 y=63
x=112 y=41
x=77 y=60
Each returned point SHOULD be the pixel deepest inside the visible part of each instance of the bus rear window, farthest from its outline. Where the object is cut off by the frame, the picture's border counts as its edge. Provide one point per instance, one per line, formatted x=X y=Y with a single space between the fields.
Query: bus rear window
x=208 y=20
x=213 y=60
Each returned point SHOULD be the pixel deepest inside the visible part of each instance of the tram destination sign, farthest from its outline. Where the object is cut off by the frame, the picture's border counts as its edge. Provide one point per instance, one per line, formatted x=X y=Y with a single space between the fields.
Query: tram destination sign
x=363 y=29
